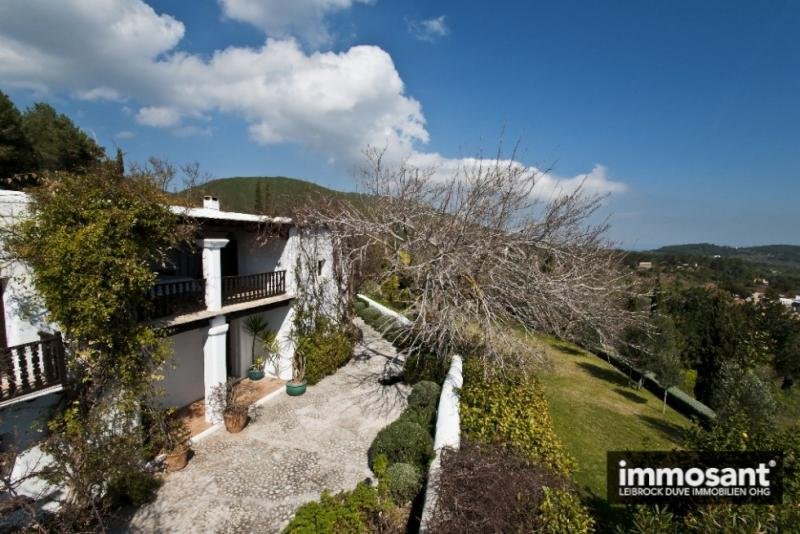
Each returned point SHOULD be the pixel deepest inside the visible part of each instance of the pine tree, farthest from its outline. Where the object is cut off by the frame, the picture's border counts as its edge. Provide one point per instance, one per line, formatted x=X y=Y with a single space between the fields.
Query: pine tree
x=16 y=153
x=258 y=206
x=120 y=162
x=267 y=201
x=59 y=144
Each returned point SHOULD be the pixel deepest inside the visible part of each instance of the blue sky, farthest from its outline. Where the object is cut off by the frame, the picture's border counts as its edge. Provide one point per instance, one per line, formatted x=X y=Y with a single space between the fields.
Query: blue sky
x=686 y=112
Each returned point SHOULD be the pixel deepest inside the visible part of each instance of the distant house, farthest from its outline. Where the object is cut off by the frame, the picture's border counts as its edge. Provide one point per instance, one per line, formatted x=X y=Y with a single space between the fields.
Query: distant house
x=645 y=265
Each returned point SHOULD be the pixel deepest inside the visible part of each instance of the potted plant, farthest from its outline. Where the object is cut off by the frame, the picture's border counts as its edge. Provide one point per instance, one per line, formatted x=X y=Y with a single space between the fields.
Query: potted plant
x=231 y=399
x=272 y=350
x=256 y=326
x=297 y=385
x=256 y=371
x=176 y=444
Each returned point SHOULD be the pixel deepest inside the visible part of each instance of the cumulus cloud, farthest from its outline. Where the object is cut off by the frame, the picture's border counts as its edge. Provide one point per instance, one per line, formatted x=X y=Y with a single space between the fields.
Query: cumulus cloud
x=100 y=93
x=429 y=29
x=335 y=103
x=158 y=116
x=548 y=185
x=332 y=102
x=282 y=18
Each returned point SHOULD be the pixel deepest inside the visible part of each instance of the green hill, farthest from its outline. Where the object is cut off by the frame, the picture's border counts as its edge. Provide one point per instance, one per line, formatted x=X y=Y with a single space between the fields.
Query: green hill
x=773 y=255
x=280 y=195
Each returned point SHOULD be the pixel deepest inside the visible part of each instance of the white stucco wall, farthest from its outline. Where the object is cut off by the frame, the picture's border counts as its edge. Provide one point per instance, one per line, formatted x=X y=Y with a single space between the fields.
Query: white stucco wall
x=257 y=257
x=279 y=321
x=24 y=314
x=183 y=373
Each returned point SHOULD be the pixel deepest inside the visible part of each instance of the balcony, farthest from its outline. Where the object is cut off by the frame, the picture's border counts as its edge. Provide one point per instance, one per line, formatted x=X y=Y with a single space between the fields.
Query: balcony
x=31 y=367
x=177 y=297
x=250 y=287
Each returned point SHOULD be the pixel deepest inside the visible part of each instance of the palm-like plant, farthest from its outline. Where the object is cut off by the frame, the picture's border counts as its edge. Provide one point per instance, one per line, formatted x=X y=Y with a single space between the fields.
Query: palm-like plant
x=255 y=325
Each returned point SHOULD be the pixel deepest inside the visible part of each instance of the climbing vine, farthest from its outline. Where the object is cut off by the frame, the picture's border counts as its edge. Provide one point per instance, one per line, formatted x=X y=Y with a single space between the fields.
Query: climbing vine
x=92 y=242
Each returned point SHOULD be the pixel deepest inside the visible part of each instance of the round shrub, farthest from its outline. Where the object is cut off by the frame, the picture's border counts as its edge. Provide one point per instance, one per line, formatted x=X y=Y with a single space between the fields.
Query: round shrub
x=404 y=482
x=424 y=416
x=402 y=441
x=425 y=393
x=422 y=365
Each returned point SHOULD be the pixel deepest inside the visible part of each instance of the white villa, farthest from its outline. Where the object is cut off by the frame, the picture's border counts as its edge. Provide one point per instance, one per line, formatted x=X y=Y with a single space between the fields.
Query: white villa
x=243 y=265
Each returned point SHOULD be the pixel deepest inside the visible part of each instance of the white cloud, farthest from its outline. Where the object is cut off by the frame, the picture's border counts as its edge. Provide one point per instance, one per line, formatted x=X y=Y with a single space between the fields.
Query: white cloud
x=158 y=116
x=429 y=29
x=332 y=102
x=287 y=18
x=100 y=93
x=548 y=185
x=124 y=134
x=335 y=103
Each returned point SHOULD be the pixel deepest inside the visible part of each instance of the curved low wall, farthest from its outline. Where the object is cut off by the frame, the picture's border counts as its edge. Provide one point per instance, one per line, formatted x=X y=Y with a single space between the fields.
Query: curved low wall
x=402 y=319
x=448 y=433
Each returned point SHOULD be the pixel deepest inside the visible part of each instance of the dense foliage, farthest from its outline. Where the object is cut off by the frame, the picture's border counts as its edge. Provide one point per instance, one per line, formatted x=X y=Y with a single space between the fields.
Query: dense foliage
x=424 y=394
x=91 y=241
x=405 y=442
x=41 y=139
x=356 y=511
x=510 y=411
x=487 y=488
x=325 y=348
x=404 y=482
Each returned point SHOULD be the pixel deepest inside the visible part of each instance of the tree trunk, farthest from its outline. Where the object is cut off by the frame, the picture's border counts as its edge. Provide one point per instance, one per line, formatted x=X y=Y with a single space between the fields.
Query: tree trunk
x=664 y=406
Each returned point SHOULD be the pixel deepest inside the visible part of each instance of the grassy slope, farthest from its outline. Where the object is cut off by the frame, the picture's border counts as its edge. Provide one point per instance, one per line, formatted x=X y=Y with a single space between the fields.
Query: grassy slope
x=595 y=410
x=238 y=193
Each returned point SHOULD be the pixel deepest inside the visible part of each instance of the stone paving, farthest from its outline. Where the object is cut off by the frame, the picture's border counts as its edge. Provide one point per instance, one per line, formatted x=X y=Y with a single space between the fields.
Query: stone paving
x=298 y=446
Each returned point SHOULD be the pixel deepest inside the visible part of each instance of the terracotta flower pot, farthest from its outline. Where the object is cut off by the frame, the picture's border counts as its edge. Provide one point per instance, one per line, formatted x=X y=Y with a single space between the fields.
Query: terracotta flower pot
x=235 y=420
x=177 y=460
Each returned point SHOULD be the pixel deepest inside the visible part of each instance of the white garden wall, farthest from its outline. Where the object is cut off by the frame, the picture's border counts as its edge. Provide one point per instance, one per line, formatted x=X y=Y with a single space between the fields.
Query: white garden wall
x=448 y=434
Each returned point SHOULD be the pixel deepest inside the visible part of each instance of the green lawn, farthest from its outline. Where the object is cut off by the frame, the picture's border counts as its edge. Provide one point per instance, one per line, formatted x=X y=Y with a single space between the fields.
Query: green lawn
x=595 y=409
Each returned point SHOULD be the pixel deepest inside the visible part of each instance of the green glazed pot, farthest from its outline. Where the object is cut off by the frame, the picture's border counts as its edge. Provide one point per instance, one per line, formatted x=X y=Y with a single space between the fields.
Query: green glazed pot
x=255 y=375
x=294 y=389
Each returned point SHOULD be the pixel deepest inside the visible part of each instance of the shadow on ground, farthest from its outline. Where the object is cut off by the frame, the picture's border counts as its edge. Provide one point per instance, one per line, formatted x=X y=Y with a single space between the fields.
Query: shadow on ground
x=609 y=375
x=668 y=430
x=631 y=395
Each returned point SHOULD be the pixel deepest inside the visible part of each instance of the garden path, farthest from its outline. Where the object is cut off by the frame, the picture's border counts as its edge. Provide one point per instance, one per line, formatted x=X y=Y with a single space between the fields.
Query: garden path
x=297 y=447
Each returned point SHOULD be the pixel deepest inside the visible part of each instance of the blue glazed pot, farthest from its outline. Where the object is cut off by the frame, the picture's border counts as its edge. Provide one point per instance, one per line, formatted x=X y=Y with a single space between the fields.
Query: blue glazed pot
x=255 y=375
x=295 y=389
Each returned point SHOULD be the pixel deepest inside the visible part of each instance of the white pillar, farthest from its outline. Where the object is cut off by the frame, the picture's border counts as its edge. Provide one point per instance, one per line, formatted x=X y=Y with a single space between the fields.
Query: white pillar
x=214 y=368
x=212 y=271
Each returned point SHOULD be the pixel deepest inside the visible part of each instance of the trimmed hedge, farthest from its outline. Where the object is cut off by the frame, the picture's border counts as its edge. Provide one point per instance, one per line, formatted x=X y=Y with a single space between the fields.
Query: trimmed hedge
x=326 y=349
x=561 y=511
x=402 y=442
x=422 y=365
x=404 y=482
x=424 y=393
x=511 y=411
x=424 y=416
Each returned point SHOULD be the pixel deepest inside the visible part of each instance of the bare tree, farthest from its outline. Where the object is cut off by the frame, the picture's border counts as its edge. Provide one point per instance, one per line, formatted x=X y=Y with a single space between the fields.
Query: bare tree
x=484 y=257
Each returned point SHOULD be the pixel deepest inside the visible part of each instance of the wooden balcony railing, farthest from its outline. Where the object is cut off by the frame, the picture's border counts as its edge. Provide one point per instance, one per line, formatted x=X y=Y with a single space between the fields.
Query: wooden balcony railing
x=177 y=297
x=248 y=287
x=31 y=367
